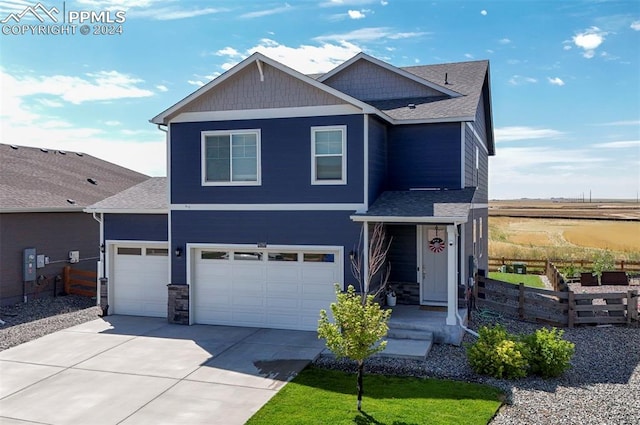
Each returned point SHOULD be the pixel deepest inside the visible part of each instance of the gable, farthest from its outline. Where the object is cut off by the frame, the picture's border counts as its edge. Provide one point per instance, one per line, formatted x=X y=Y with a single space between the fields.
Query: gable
x=245 y=90
x=365 y=80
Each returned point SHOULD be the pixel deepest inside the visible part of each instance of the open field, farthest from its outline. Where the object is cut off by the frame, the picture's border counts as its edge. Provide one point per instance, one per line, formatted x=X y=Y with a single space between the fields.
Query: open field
x=541 y=208
x=522 y=237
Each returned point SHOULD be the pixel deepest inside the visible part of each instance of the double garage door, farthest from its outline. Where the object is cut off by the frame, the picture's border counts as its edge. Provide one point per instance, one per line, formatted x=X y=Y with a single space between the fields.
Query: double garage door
x=283 y=289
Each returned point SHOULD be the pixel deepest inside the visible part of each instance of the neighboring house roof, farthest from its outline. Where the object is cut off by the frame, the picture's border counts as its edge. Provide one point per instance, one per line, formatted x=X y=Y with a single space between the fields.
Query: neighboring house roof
x=442 y=205
x=42 y=180
x=147 y=197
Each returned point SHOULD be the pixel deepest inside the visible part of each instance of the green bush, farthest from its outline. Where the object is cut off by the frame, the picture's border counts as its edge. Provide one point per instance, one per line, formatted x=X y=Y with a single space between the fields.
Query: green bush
x=498 y=354
x=549 y=355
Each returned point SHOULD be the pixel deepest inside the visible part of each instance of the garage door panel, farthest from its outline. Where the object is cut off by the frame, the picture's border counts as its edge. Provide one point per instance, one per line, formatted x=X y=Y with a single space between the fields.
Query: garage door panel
x=139 y=282
x=266 y=292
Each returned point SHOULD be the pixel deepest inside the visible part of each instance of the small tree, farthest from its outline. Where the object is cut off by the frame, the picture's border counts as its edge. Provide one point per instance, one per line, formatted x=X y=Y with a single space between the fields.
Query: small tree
x=360 y=322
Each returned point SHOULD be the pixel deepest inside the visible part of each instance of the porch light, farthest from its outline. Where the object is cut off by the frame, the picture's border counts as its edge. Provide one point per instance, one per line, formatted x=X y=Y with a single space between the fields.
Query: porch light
x=178 y=251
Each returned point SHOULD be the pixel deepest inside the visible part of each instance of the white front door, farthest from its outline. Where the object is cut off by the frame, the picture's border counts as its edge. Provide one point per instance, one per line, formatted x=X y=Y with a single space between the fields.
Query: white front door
x=434 y=274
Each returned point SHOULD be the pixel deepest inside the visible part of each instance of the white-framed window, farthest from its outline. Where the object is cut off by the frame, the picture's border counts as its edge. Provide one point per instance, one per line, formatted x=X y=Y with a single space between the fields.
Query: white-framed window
x=329 y=155
x=231 y=158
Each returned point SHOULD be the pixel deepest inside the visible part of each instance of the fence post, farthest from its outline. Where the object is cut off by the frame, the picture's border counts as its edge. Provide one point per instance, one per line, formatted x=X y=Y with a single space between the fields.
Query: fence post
x=571 y=312
x=632 y=305
x=622 y=265
x=521 y=301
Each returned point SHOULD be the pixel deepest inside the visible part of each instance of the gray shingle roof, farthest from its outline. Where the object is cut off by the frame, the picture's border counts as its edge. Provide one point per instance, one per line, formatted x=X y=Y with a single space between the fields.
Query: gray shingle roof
x=148 y=195
x=422 y=203
x=45 y=179
x=465 y=78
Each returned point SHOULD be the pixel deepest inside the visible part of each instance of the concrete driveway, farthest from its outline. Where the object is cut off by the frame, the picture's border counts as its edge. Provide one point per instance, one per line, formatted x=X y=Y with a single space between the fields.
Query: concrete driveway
x=138 y=370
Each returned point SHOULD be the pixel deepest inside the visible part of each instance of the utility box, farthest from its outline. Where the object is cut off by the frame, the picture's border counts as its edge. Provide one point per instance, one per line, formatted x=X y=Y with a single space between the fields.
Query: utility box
x=29 y=265
x=520 y=268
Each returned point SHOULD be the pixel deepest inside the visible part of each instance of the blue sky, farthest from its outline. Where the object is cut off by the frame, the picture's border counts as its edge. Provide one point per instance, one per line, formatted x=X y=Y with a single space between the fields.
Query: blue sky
x=565 y=75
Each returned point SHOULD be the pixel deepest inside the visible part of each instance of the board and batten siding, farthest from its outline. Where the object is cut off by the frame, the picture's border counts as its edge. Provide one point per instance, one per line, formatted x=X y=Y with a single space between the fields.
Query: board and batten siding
x=285 y=163
x=377 y=158
x=136 y=227
x=402 y=254
x=328 y=228
x=424 y=156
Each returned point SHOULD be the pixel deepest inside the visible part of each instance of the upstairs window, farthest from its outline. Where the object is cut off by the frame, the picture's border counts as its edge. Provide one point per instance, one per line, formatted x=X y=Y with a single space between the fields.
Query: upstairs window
x=328 y=155
x=231 y=158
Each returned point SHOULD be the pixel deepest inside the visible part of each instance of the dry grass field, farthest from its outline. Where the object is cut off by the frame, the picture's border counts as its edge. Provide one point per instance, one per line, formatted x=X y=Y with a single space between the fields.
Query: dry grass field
x=545 y=229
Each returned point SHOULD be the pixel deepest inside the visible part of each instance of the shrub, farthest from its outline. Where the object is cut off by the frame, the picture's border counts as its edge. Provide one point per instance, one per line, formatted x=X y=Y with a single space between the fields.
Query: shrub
x=549 y=355
x=498 y=353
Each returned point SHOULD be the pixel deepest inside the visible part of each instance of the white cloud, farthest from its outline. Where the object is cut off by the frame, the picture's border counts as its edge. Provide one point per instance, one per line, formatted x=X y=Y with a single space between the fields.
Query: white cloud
x=96 y=86
x=504 y=41
x=518 y=80
x=483 y=12
x=384 y=3
x=513 y=133
x=196 y=83
x=468 y=55
x=113 y=123
x=635 y=25
x=621 y=123
x=589 y=40
x=228 y=51
x=369 y=34
x=556 y=81
x=619 y=145
x=355 y=14
x=162 y=87
x=276 y=10
x=50 y=103
x=342 y=3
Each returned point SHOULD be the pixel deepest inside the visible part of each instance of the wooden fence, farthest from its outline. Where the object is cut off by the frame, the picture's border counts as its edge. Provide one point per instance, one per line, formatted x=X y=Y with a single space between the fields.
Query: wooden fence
x=557 y=308
x=79 y=282
x=539 y=266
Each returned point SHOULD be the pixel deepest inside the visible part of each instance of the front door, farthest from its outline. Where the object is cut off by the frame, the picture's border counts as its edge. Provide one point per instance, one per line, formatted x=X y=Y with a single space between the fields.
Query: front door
x=434 y=265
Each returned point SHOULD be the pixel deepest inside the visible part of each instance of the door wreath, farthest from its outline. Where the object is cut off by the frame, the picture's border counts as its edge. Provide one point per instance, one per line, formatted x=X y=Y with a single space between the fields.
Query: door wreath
x=436 y=245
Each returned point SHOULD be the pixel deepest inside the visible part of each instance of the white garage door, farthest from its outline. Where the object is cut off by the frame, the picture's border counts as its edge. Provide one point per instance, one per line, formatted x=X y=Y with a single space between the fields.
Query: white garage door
x=139 y=280
x=282 y=289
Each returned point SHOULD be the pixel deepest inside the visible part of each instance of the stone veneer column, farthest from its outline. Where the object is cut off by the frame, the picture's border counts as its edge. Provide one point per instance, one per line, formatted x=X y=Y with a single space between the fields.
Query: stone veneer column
x=104 y=296
x=178 y=304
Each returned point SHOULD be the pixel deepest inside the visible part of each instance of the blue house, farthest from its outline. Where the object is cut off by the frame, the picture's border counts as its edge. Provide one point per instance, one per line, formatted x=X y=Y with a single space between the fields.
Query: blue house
x=273 y=174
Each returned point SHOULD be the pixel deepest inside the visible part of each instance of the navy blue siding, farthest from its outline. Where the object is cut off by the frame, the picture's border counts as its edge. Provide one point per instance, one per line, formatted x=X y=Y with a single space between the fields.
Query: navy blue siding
x=271 y=227
x=377 y=158
x=402 y=253
x=424 y=155
x=286 y=163
x=136 y=227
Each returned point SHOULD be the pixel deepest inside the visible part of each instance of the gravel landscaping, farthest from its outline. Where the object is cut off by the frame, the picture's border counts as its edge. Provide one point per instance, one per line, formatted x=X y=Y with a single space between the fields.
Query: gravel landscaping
x=602 y=387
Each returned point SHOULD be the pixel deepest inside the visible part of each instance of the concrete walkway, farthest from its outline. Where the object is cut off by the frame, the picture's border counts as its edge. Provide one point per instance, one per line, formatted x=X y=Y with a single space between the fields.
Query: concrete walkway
x=137 y=370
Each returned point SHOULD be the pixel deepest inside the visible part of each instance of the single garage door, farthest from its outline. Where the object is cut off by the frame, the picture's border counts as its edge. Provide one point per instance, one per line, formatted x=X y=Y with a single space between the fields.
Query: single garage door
x=139 y=280
x=282 y=289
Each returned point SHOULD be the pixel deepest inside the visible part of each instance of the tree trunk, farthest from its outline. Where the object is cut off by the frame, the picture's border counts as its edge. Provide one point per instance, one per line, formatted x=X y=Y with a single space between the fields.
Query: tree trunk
x=360 y=389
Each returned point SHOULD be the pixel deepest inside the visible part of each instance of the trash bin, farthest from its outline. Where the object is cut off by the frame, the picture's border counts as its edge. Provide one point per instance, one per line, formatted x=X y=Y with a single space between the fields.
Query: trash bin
x=520 y=268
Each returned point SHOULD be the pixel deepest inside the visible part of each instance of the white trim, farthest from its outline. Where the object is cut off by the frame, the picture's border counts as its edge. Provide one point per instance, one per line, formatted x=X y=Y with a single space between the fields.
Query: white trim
x=430 y=120
x=366 y=159
x=169 y=227
x=452 y=287
x=426 y=220
x=477 y=136
x=419 y=261
x=343 y=130
x=479 y=206
x=365 y=256
x=463 y=154
x=162 y=117
x=391 y=68
x=268 y=207
x=268 y=113
x=126 y=210
x=230 y=133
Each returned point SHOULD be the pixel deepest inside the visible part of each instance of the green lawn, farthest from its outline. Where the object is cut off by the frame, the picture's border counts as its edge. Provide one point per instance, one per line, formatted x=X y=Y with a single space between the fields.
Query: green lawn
x=319 y=396
x=531 y=280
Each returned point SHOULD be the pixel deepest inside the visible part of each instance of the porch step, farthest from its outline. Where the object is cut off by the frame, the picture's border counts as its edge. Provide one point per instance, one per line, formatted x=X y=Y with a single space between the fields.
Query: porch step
x=406 y=349
x=416 y=334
